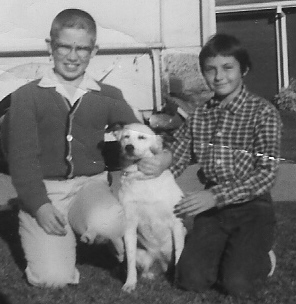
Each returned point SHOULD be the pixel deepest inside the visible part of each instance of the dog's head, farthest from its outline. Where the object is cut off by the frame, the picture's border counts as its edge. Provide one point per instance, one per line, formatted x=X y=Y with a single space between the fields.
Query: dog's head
x=138 y=141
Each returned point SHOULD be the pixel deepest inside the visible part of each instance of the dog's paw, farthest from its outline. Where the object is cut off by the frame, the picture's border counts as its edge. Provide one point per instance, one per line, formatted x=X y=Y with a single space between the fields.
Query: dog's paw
x=120 y=257
x=148 y=275
x=129 y=286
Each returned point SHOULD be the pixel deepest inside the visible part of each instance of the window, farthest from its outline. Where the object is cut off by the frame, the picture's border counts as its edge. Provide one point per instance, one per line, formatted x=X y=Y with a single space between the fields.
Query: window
x=267 y=32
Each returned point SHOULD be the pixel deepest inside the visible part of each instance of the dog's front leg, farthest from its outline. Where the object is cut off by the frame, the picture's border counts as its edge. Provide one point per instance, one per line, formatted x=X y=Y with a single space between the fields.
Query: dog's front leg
x=130 y=241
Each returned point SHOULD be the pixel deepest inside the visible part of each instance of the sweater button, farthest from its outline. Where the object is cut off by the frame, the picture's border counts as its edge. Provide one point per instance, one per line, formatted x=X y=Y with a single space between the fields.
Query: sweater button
x=69 y=137
x=69 y=157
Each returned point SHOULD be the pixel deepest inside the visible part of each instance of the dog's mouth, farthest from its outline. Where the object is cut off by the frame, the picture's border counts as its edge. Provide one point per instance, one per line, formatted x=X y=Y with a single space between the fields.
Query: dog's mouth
x=131 y=157
x=129 y=152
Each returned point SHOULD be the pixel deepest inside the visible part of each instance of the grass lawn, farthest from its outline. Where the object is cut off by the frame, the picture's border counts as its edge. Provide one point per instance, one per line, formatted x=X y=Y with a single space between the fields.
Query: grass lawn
x=101 y=280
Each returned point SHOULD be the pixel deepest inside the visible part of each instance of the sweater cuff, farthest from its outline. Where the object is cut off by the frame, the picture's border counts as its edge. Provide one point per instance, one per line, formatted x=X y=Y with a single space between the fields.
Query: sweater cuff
x=31 y=205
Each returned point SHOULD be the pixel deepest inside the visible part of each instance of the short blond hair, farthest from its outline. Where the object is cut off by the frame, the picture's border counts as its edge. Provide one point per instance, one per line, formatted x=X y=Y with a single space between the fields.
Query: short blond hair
x=73 y=18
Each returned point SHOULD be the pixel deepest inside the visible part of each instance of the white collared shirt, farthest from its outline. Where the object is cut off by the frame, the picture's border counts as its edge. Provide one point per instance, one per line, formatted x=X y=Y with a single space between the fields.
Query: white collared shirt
x=50 y=80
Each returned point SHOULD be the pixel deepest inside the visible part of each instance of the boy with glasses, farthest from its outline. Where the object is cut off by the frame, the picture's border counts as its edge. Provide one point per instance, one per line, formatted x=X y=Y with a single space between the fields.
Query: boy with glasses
x=52 y=129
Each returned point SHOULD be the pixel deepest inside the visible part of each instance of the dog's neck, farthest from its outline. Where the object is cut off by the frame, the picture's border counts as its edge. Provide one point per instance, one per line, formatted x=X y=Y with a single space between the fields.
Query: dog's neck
x=130 y=167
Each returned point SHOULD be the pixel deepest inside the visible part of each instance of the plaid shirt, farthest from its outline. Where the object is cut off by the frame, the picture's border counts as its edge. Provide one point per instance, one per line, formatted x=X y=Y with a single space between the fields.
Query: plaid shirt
x=237 y=145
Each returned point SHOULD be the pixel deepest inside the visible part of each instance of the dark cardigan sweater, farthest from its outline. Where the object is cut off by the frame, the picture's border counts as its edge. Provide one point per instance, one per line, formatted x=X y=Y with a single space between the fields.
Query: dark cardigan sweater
x=49 y=139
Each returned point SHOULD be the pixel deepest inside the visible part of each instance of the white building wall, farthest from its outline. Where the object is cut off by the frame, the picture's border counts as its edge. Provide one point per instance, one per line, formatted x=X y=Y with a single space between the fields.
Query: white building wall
x=126 y=25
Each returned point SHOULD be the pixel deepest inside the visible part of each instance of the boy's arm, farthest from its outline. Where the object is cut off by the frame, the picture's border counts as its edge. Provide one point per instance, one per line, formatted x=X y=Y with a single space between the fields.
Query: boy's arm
x=24 y=166
x=182 y=148
x=176 y=158
x=23 y=150
x=124 y=112
x=121 y=112
x=51 y=220
x=154 y=166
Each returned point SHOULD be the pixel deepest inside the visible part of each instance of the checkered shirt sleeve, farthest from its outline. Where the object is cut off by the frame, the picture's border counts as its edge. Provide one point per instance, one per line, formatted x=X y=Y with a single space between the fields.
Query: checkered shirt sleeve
x=182 y=148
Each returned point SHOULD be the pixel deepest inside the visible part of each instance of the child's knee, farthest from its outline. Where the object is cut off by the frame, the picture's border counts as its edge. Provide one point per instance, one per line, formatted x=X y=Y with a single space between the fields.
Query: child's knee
x=52 y=276
x=238 y=285
x=193 y=278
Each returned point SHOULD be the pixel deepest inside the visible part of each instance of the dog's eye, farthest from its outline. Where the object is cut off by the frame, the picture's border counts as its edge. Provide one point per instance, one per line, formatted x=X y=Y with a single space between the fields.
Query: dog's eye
x=142 y=137
x=126 y=136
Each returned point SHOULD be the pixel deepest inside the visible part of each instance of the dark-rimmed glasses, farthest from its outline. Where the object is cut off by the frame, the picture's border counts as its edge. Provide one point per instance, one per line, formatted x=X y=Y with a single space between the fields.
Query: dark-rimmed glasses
x=66 y=49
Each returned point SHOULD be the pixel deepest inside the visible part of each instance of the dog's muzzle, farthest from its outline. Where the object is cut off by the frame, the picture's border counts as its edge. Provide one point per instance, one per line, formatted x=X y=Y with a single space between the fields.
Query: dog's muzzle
x=129 y=149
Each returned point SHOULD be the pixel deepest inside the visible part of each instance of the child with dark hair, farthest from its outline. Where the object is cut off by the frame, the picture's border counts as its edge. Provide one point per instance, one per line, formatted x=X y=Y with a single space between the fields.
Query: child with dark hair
x=225 y=45
x=235 y=139
x=52 y=130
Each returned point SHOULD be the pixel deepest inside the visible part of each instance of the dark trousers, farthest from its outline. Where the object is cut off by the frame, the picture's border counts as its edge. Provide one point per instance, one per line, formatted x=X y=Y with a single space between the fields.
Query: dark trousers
x=228 y=246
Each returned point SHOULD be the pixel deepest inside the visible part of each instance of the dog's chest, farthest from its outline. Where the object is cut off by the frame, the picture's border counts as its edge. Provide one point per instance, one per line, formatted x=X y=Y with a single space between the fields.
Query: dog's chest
x=161 y=192
x=150 y=204
x=154 y=227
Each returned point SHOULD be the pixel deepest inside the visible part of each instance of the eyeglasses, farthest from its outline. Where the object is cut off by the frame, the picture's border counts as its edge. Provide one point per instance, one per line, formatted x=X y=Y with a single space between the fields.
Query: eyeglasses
x=65 y=49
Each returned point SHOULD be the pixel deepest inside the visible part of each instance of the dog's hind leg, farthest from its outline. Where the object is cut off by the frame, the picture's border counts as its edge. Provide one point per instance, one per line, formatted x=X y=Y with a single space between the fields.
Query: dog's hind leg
x=144 y=262
x=117 y=248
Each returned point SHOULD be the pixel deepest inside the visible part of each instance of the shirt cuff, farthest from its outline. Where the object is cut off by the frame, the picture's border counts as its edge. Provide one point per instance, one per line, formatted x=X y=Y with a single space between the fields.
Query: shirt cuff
x=219 y=196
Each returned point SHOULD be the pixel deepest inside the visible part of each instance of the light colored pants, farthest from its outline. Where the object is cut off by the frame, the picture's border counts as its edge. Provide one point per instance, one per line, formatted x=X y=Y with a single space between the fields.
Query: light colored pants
x=51 y=259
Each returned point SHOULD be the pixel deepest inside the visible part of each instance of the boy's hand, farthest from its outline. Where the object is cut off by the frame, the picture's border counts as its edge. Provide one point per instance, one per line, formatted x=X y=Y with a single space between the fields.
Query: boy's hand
x=154 y=166
x=51 y=220
x=195 y=203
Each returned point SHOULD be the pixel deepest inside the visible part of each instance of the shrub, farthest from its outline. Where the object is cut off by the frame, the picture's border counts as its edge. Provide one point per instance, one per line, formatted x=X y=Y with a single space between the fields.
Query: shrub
x=286 y=98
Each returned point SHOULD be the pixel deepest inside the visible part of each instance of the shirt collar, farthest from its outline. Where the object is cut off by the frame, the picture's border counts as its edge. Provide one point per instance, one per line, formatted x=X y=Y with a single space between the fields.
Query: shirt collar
x=50 y=80
x=232 y=105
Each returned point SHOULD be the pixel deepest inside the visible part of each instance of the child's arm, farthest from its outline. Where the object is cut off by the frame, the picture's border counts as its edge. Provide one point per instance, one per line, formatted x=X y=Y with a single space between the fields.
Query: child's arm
x=23 y=151
x=154 y=166
x=51 y=220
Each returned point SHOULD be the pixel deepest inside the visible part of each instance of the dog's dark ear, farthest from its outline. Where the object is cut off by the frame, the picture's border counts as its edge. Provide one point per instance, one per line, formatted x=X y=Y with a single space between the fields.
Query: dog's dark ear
x=115 y=130
x=115 y=127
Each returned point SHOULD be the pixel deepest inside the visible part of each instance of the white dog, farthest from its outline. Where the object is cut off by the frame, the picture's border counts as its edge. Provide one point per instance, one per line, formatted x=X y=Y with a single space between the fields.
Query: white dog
x=153 y=233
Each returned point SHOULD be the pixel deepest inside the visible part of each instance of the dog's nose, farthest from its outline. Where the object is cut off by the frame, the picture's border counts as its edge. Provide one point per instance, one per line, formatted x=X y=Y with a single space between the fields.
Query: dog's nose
x=129 y=148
